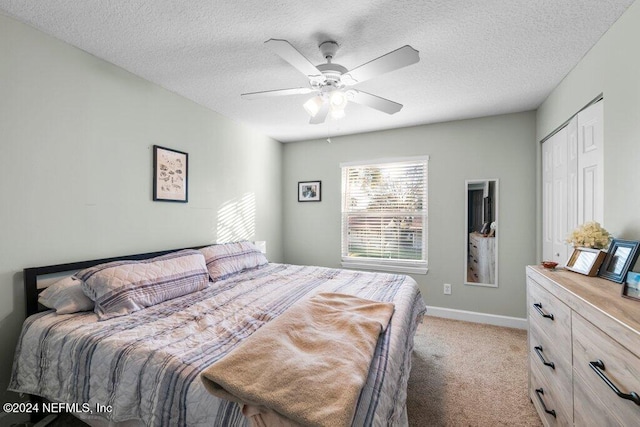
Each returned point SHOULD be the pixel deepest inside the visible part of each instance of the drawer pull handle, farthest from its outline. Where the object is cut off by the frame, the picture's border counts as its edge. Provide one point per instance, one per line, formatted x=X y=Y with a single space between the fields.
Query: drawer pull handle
x=540 y=393
x=598 y=367
x=539 y=350
x=538 y=307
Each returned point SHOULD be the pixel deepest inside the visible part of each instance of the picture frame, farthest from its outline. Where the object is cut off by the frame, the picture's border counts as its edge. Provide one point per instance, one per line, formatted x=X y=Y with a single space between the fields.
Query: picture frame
x=309 y=191
x=585 y=261
x=622 y=255
x=486 y=227
x=170 y=175
x=631 y=287
x=486 y=209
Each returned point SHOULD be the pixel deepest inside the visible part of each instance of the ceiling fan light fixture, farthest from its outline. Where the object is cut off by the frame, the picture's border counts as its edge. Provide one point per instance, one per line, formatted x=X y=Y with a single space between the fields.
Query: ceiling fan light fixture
x=338 y=100
x=330 y=81
x=313 y=105
x=336 y=114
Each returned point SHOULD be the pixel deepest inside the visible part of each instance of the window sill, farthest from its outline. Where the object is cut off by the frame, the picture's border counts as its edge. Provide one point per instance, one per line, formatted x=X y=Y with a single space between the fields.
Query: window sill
x=382 y=267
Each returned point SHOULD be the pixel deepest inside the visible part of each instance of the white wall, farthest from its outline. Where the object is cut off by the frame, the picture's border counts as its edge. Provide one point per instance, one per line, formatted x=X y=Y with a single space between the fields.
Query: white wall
x=612 y=67
x=501 y=147
x=76 y=168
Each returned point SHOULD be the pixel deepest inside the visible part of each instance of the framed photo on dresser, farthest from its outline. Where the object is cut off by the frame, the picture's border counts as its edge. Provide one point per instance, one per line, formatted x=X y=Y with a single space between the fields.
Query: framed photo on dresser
x=631 y=287
x=621 y=256
x=585 y=261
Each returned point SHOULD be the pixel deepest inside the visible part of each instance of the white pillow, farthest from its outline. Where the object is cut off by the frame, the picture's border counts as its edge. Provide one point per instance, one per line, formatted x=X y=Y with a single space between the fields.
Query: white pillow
x=66 y=296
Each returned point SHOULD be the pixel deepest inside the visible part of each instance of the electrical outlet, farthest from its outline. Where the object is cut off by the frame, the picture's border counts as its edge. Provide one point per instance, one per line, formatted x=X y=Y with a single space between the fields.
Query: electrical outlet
x=447 y=288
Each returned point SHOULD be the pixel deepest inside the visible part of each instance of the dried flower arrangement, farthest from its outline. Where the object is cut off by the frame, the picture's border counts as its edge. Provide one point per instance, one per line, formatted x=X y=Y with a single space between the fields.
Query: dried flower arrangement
x=590 y=235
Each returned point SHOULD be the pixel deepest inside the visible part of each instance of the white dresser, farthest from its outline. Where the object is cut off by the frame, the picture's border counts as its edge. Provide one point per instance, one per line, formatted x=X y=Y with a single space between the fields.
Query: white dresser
x=584 y=350
x=482 y=259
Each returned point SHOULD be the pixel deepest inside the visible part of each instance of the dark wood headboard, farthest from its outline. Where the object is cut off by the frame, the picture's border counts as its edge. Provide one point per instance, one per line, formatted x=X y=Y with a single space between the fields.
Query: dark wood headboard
x=31 y=274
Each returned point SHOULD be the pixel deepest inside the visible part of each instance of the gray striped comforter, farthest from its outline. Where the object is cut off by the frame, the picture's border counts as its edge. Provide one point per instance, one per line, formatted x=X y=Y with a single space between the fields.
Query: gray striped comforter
x=146 y=365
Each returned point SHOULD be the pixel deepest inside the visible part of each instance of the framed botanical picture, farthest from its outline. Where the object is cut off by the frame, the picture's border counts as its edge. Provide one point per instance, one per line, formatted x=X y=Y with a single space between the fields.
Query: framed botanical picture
x=170 y=175
x=631 y=288
x=620 y=258
x=309 y=191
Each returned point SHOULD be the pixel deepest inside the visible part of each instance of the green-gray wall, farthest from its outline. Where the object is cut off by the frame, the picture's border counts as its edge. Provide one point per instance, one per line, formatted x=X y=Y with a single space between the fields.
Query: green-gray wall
x=76 y=168
x=612 y=67
x=501 y=147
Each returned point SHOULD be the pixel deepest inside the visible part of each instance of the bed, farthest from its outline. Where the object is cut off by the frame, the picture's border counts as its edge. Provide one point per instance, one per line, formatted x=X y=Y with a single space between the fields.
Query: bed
x=143 y=368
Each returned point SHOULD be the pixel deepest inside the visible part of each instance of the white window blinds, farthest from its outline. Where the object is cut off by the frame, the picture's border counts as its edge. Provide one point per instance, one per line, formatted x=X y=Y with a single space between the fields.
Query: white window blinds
x=384 y=215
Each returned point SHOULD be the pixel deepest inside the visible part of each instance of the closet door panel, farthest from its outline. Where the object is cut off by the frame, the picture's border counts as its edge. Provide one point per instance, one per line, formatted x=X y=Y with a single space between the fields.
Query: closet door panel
x=590 y=164
x=547 y=201
x=572 y=175
x=560 y=205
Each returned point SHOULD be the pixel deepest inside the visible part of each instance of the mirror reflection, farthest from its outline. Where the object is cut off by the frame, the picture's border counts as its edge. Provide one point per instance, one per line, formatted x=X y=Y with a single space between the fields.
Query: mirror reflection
x=481 y=260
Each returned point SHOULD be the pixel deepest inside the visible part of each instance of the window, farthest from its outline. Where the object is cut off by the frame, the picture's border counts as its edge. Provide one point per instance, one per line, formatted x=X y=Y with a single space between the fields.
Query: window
x=384 y=215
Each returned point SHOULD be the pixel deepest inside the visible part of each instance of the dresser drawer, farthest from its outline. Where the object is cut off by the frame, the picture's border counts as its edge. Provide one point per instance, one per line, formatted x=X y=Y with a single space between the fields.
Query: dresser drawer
x=553 y=361
x=588 y=408
x=619 y=366
x=551 y=316
x=546 y=400
x=473 y=248
x=553 y=350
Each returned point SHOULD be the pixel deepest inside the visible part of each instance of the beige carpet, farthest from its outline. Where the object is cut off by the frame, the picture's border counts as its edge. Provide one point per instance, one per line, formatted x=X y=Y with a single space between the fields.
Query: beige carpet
x=469 y=374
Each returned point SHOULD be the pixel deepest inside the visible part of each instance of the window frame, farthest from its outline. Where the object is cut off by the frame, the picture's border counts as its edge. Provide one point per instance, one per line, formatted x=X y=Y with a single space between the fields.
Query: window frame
x=385 y=264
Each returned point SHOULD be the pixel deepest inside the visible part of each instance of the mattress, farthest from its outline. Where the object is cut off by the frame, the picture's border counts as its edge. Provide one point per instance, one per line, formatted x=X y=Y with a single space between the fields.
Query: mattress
x=144 y=367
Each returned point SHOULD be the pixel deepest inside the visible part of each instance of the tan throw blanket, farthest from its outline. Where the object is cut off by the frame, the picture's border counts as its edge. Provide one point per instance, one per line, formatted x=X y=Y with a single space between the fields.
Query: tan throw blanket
x=305 y=367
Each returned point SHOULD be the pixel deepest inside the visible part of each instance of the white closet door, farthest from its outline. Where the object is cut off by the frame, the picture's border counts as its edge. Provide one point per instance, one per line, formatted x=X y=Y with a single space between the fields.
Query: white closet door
x=590 y=164
x=572 y=175
x=557 y=169
x=560 y=175
x=572 y=181
x=547 y=197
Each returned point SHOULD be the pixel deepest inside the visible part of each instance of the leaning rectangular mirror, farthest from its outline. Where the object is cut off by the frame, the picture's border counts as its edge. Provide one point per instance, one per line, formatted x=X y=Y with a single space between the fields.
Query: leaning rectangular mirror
x=481 y=228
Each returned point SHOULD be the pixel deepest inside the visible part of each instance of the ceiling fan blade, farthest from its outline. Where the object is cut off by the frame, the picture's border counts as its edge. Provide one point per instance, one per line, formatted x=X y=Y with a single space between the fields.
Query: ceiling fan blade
x=290 y=54
x=278 y=92
x=321 y=116
x=376 y=102
x=395 y=60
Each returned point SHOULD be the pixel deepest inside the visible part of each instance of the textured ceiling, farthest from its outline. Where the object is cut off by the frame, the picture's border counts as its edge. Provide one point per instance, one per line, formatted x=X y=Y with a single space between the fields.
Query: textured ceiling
x=477 y=58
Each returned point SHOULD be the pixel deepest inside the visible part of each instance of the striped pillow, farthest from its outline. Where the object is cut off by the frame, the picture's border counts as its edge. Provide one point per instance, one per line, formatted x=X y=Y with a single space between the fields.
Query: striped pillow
x=227 y=259
x=122 y=287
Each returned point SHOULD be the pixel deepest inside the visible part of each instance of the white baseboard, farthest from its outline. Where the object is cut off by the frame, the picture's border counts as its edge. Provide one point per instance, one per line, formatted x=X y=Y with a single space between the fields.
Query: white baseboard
x=472 y=316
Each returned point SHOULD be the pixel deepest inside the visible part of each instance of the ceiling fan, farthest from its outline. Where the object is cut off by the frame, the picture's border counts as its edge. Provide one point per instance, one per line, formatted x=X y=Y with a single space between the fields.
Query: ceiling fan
x=331 y=83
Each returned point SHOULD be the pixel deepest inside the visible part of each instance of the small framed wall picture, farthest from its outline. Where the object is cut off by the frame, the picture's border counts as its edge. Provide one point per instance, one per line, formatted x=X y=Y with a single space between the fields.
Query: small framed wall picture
x=621 y=256
x=631 y=288
x=170 y=175
x=309 y=191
